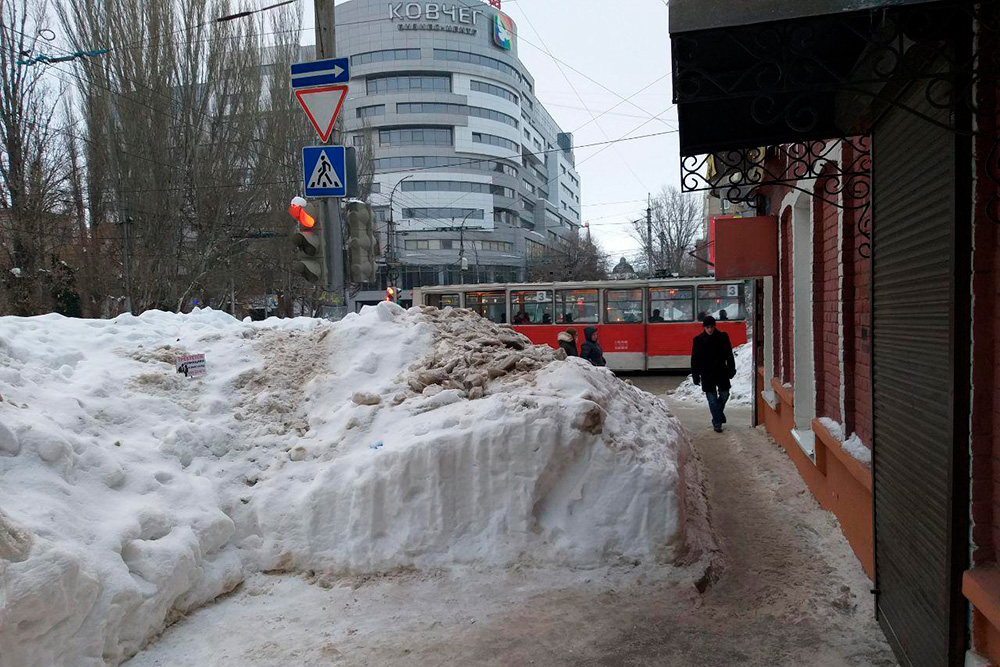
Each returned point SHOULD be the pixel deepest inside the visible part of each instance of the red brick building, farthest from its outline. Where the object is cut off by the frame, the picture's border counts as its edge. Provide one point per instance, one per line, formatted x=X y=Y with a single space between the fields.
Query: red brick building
x=875 y=260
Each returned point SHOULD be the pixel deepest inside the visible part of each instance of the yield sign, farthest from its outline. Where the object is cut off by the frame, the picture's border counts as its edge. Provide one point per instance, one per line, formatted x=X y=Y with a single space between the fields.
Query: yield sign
x=322 y=106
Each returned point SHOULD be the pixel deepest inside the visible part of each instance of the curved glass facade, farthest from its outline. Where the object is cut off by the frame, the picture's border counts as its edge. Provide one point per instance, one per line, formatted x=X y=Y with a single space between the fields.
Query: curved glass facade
x=464 y=157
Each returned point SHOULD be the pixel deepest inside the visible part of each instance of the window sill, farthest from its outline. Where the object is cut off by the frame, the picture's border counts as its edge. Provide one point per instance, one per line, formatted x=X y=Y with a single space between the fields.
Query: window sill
x=806 y=440
x=770 y=398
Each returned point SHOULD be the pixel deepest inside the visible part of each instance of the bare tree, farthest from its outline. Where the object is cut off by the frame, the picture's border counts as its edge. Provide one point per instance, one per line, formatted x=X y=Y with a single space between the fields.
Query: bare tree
x=676 y=225
x=190 y=151
x=34 y=231
x=577 y=258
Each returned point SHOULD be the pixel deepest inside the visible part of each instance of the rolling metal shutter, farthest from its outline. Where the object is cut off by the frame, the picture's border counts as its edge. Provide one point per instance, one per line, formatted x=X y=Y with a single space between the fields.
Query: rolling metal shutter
x=915 y=348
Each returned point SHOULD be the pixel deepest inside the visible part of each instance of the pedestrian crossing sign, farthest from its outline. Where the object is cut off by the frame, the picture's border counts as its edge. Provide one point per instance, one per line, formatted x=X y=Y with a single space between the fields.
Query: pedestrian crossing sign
x=324 y=171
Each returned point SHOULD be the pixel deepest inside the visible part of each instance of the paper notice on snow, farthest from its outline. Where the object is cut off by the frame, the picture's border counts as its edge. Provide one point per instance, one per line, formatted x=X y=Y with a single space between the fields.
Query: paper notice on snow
x=191 y=365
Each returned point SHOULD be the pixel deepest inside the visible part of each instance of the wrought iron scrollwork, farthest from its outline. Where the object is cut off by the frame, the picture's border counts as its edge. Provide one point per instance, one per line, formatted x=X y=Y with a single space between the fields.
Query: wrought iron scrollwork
x=838 y=171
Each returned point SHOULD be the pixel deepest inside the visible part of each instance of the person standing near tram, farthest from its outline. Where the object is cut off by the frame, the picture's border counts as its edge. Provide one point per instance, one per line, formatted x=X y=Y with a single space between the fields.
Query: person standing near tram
x=713 y=366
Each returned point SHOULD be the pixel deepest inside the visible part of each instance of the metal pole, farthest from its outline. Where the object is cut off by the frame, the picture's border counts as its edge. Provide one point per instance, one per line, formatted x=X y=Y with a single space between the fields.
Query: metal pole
x=128 y=264
x=390 y=238
x=331 y=225
x=649 y=234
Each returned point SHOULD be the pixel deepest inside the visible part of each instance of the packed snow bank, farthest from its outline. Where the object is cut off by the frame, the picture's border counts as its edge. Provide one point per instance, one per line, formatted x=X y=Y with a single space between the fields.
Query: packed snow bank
x=741 y=392
x=393 y=438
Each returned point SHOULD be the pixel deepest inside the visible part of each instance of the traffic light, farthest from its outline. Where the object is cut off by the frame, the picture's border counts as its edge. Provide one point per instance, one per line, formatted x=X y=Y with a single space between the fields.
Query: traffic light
x=306 y=239
x=391 y=294
x=361 y=242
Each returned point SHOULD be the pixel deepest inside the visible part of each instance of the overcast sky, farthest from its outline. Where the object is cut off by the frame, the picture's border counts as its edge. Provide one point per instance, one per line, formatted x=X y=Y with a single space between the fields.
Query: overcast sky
x=623 y=48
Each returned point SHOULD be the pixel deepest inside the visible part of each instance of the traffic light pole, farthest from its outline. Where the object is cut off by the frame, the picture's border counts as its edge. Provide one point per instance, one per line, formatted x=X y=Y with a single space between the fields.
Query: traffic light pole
x=331 y=227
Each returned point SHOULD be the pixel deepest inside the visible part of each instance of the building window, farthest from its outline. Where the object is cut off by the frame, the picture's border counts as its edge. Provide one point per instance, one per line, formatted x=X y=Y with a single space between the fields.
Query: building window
x=493 y=140
x=456 y=186
x=421 y=161
x=623 y=305
x=358 y=140
x=495 y=246
x=420 y=276
x=443 y=213
x=395 y=84
x=431 y=107
x=412 y=136
x=527 y=205
x=489 y=88
x=528 y=186
x=383 y=56
x=576 y=306
x=376 y=188
x=505 y=216
x=373 y=110
x=476 y=59
x=490 y=114
x=671 y=304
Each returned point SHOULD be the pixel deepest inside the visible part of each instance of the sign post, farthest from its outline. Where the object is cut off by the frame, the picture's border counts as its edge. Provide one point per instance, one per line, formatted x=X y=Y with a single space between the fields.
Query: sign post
x=321 y=87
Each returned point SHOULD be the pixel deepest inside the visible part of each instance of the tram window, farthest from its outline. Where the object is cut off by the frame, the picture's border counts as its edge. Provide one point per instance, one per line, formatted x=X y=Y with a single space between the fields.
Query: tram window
x=531 y=307
x=671 y=304
x=491 y=305
x=443 y=300
x=577 y=306
x=623 y=305
x=723 y=302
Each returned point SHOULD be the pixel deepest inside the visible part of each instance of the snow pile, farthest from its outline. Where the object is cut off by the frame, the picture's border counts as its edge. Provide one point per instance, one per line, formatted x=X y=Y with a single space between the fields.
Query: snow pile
x=852 y=445
x=741 y=392
x=393 y=438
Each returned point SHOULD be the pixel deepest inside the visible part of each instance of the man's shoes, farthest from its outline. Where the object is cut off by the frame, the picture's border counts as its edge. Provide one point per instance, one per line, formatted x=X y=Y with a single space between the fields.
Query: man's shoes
x=718 y=429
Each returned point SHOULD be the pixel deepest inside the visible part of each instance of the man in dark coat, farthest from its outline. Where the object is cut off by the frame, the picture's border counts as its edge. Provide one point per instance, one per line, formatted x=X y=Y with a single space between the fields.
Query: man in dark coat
x=591 y=349
x=567 y=341
x=713 y=366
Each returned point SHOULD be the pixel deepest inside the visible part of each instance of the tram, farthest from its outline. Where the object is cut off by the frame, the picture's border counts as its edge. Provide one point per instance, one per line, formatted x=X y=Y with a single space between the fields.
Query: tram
x=641 y=324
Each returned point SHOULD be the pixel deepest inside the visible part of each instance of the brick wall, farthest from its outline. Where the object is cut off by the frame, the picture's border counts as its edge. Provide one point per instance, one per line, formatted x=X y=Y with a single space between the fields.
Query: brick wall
x=826 y=297
x=985 y=426
x=786 y=328
x=857 y=317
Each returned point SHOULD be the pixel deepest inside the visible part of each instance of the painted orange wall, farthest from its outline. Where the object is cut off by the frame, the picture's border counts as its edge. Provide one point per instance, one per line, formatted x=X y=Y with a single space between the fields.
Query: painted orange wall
x=838 y=482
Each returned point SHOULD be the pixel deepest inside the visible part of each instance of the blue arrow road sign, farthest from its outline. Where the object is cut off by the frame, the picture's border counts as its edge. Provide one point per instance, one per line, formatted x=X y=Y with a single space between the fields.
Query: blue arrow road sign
x=320 y=72
x=324 y=171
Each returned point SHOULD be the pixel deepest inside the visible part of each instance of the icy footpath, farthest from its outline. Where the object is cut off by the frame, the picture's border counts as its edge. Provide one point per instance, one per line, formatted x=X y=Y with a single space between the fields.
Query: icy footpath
x=130 y=494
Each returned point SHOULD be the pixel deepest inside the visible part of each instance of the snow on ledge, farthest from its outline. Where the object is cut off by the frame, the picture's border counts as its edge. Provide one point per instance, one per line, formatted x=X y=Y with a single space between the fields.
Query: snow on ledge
x=852 y=445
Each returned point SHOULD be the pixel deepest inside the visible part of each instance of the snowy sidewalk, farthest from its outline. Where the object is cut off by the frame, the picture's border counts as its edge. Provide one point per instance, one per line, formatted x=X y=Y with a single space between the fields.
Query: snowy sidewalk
x=788 y=591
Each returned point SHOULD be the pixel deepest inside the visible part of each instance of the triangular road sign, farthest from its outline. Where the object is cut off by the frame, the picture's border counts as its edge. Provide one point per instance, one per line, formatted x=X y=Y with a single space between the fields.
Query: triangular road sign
x=323 y=174
x=322 y=106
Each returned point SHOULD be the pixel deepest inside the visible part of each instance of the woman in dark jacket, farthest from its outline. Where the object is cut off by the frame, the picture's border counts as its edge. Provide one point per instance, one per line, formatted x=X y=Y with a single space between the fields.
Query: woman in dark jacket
x=591 y=349
x=567 y=341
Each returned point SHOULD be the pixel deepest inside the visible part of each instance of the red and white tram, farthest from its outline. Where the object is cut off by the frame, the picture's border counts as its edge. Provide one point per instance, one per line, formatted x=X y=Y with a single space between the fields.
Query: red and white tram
x=641 y=324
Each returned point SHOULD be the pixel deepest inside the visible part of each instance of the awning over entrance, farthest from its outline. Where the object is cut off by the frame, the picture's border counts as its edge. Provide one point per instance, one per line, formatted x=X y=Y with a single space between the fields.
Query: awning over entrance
x=762 y=73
